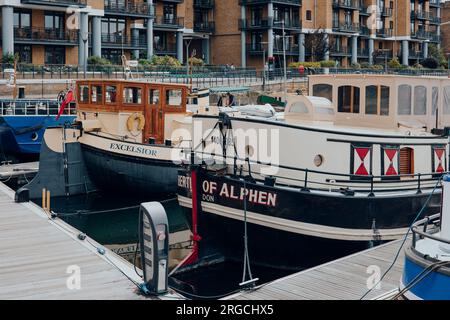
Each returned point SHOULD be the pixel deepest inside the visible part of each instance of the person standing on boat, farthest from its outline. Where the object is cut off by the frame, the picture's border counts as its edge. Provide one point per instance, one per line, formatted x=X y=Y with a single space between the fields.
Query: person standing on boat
x=231 y=100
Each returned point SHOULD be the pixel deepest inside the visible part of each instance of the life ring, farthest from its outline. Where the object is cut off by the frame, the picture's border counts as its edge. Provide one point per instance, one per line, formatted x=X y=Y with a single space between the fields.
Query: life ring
x=132 y=118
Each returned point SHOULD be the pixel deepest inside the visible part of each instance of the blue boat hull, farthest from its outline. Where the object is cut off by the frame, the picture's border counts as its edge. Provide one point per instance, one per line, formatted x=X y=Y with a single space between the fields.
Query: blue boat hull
x=23 y=134
x=435 y=286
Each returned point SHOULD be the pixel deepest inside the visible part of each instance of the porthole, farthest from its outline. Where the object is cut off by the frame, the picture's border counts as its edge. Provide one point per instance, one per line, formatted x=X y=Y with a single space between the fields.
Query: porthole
x=34 y=136
x=318 y=160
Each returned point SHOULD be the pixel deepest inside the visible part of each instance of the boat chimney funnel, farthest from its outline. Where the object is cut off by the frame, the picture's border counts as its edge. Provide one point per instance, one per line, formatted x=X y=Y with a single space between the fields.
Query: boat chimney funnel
x=445 y=214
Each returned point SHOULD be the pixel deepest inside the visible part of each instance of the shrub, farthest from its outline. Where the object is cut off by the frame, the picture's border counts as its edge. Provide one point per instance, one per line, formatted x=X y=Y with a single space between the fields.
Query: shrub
x=144 y=62
x=376 y=67
x=356 y=65
x=430 y=63
x=167 y=61
x=9 y=58
x=98 y=60
x=327 y=63
x=417 y=66
x=196 y=61
x=306 y=64
x=394 y=63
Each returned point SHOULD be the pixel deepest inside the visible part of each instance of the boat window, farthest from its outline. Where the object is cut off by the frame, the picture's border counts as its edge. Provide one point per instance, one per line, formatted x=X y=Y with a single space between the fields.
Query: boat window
x=132 y=95
x=420 y=100
x=298 y=107
x=173 y=97
x=404 y=99
x=371 y=99
x=323 y=90
x=384 y=100
x=153 y=96
x=84 y=93
x=446 y=100
x=406 y=161
x=434 y=100
x=111 y=94
x=348 y=99
x=96 y=94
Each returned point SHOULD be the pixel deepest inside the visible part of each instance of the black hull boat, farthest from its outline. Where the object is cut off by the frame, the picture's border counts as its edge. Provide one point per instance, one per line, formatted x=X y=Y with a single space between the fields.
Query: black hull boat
x=294 y=228
x=128 y=174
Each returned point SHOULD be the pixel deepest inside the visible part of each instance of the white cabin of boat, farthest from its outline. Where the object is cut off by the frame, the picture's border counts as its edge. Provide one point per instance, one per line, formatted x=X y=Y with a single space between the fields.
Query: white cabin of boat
x=395 y=102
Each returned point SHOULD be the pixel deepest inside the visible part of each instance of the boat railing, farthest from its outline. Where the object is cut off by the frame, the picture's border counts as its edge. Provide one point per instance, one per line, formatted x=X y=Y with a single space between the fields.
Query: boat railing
x=33 y=107
x=345 y=183
x=427 y=228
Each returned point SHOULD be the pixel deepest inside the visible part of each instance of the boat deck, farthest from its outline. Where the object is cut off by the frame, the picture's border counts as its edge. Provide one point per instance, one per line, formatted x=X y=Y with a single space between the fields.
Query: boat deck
x=39 y=256
x=342 y=279
x=27 y=169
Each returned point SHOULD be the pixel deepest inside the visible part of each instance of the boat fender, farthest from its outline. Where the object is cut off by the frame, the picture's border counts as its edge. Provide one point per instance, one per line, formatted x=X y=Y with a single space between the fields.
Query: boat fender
x=132 y=118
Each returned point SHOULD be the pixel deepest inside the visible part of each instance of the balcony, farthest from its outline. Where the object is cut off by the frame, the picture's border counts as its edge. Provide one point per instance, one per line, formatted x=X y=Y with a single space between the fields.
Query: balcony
x=384 y=33
x=112 y=40
x=167 y=49
x=130 y=9
x=435 y=38
x=346 y=4
x=364 y=31
x=364 y=10
x=363 y=53
x=268 y=23
x=290 y=49
x=435 y=19
x=346 y=27
x=342 y=51
x=58 y=3
x=386 y=12
x=435 y=3
x=168 y=22
x=45 y=36
x=415 y=54
x=420 y=34
x=255 y=24
x=258 y=49
x=285 y=2
x=205 y=27
x=420 y=15
x=204 y=4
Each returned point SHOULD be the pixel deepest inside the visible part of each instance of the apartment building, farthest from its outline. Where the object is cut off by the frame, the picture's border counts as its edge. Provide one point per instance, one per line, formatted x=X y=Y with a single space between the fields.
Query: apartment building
x=240 y=32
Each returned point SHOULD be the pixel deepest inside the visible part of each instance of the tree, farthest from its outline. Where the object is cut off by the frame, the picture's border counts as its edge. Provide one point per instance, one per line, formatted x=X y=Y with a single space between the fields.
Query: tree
x=318 y=43
x=438 y=54
x=430 y=63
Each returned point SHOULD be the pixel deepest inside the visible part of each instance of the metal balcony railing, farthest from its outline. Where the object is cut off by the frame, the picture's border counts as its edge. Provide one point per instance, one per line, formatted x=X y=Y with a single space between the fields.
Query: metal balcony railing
x=255 y=24
x=420 y=15
x=435 y=19
x=204 y=4
x=287 y=2
x=59 y=3
x=420 y=34
x=386 y=12
x=126 y=41
x=173 y=22
x=384 y=33
x=363 y=52
x=346 y=4
x=34 y=34
x=364 y=31
x=207 y=27
x=135 y=9
x=340 y=51
x=435 y=3
x=346 y=27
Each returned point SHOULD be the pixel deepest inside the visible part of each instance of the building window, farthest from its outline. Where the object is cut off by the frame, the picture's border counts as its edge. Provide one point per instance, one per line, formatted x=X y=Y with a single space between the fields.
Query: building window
x=113 y=26
x=326 y=91
x=22 y=19
x=24 y=52
x=54 y=21
x=308 y=15
x=112 y=55
x=406 y=161
x=169 y=13
x=55 y=55
x=404 y=99
x=348 y=99
x=420 y=100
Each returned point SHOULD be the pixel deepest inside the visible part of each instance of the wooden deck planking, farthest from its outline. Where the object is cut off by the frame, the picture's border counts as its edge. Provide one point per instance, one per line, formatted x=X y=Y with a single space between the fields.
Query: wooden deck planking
x=343 y=279
x=35 y=253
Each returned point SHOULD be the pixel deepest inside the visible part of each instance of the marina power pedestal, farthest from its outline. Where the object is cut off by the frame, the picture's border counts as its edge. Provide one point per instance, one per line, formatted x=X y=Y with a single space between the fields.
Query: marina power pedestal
x=154 y=244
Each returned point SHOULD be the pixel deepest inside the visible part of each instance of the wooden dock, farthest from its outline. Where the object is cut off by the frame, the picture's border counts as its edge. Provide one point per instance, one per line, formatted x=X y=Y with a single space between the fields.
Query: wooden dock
x=342 y=279
x=39 y=256
x=27 y=169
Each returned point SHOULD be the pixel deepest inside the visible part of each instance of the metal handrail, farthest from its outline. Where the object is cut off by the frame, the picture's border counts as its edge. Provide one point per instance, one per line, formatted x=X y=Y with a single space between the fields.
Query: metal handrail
x=22 y=107
x=423 y=224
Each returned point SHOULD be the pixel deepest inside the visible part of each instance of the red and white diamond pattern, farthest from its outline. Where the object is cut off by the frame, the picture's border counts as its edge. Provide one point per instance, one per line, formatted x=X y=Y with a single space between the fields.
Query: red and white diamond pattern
x=361 y=161
x=390 y=162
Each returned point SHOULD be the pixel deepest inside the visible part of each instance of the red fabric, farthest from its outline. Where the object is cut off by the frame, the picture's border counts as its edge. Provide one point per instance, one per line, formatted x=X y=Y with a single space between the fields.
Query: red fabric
x=68 y=99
